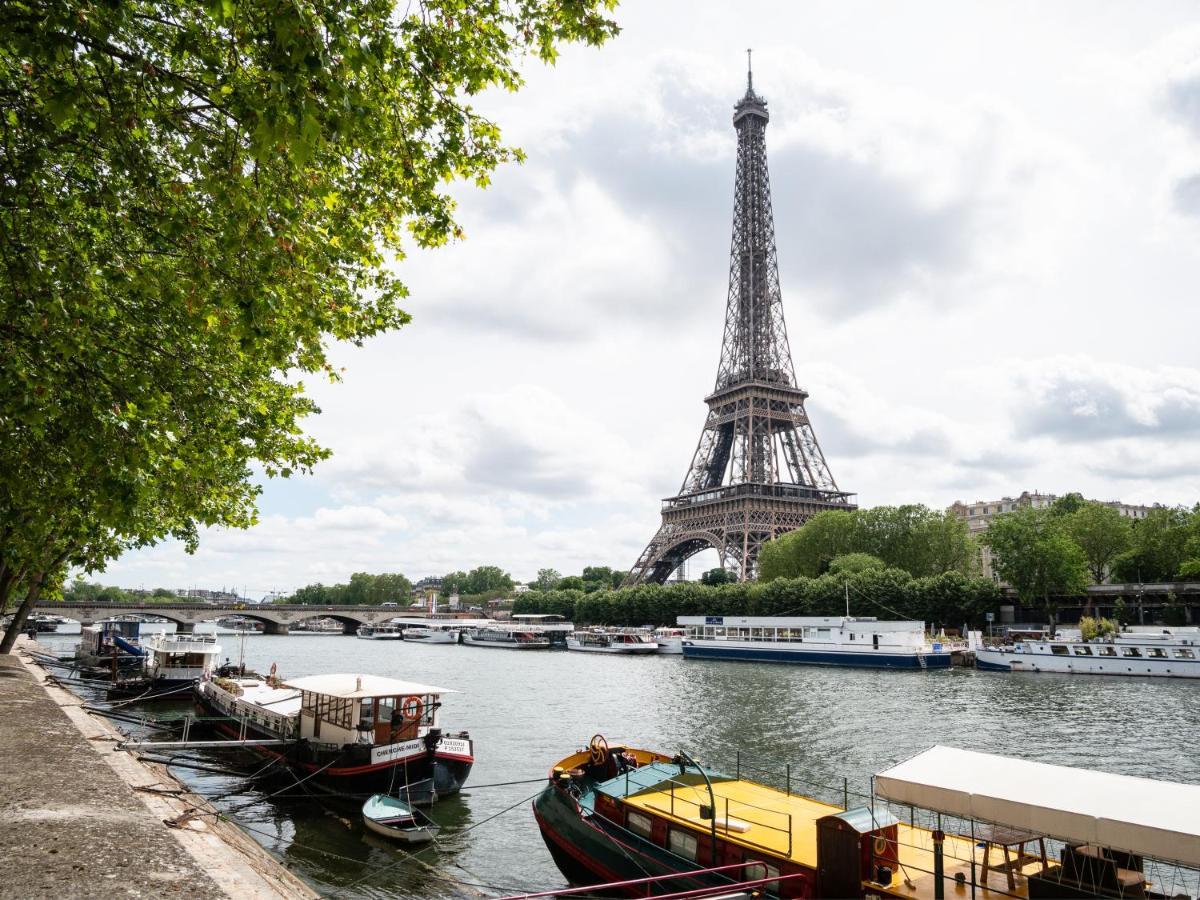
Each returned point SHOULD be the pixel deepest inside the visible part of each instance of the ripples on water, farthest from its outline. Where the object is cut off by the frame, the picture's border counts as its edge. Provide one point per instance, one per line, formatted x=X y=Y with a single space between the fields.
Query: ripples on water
x=525 y=710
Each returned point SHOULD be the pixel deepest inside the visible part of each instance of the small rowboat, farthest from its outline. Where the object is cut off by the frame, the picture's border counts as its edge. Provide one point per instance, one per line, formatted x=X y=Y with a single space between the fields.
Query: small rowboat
x=387 y=816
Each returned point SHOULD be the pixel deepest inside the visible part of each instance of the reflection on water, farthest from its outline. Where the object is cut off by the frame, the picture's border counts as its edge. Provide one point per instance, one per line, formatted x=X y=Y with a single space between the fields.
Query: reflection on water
x=526 y=710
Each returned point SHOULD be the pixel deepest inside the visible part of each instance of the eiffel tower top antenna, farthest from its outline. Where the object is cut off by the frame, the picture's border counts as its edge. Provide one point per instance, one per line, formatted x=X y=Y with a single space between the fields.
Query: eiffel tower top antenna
x=749 y=73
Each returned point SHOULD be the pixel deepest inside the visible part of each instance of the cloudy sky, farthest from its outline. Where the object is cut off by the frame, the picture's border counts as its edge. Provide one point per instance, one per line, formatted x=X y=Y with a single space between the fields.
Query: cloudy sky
x=988 y=219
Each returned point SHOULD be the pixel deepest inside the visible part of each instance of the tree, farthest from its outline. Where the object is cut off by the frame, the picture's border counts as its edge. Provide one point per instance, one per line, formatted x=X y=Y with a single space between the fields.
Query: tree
x=547 y=580
x=1102 y=533
x=198 y=199
x=1068 y=505
x=571 y=583
x=487 y=578
x=718 y=576
x=454 y=583
x=850 y=563
x=1033 y=553
x=808 y=550
x=1160 y=542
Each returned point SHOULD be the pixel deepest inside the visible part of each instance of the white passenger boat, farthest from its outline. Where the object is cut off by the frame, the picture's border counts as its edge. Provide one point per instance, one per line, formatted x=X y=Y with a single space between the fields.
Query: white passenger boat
x=555 y=627
x=612 y=640
x=670 y=639
x=180 y=659
x=386 y=632
x=812 y=640
x=506 y=638
x=425 y=631
x=1169 y=653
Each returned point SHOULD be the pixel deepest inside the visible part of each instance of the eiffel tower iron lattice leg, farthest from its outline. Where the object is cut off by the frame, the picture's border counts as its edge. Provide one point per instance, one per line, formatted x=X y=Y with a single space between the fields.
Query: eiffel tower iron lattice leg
x=758 y=470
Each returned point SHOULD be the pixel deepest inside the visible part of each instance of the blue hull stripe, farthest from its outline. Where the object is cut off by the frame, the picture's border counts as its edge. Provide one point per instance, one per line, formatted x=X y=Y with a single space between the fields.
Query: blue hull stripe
x=817 y=658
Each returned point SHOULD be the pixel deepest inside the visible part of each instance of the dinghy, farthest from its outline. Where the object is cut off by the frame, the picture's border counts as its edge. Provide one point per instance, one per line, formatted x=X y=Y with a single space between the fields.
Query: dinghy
x=392 y=818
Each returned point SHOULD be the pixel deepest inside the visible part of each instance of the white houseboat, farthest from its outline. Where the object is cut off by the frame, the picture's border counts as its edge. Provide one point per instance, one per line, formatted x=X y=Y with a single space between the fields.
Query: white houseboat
x=353 y=734
x=813 y=640
x=435 y=631
x=612 y=640
x=1169 y=653
x=506 y=637
x=383 y=632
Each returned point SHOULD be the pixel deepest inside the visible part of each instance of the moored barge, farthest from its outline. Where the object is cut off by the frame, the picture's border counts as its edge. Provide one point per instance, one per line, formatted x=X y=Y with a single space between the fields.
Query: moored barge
x=997 y=827
x=349 y=734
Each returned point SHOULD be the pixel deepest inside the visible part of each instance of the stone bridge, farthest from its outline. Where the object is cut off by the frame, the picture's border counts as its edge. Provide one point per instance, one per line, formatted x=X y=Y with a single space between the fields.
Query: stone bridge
x=275 y=618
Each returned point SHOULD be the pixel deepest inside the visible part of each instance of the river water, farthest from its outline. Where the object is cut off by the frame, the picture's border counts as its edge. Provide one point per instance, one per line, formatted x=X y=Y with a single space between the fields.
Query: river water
x=526 y=710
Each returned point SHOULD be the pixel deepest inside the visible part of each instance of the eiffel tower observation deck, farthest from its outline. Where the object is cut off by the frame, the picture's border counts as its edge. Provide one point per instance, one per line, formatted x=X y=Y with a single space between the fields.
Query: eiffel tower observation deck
x=758 y=470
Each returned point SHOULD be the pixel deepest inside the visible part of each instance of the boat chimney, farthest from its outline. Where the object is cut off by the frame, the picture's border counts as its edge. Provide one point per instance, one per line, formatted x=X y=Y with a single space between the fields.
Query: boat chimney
x=357 y=682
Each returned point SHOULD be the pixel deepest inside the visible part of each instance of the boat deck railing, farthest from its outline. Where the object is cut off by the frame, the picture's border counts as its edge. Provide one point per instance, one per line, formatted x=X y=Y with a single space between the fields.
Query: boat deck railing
x=731 y=818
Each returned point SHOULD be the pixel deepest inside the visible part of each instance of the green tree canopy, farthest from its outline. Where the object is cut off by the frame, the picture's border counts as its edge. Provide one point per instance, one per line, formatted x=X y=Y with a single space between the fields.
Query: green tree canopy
x=197 y=198
x=1160 y=545
x=547 y=580
x=849 y=563
x=1102 y=533
x=718 y=576
x=487 y=578
x=1032 y=551
x=914 y=538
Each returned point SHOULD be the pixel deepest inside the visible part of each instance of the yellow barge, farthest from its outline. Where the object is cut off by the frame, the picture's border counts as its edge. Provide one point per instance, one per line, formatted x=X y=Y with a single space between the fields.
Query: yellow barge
x=616 y=814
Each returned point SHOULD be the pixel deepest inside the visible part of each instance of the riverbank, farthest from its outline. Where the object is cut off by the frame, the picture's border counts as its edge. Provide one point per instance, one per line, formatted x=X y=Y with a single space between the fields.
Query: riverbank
x=80 y=818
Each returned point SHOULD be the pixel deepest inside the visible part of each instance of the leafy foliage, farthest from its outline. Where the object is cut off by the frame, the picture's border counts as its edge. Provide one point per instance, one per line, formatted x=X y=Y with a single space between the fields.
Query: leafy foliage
x=197 y=199
x=718 y=576
x=1091 y=628
x=363 y=588
x=1032 y=551
x=916 y=539
x=950 y=598
x=1101 y=532
x=1160 y=545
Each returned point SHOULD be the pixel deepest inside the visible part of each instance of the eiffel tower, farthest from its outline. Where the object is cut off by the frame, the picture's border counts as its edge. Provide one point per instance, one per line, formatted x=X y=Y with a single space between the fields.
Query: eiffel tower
x=758 y=470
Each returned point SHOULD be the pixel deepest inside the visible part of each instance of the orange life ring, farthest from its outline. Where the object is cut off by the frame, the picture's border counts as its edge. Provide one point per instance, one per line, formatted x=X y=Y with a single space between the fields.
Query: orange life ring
x=412 y=708
x=881 y=844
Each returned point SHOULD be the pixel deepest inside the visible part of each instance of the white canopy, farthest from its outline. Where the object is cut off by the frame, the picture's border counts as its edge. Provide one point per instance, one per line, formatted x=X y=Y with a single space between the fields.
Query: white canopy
x=1160 y=819
x=350 y=686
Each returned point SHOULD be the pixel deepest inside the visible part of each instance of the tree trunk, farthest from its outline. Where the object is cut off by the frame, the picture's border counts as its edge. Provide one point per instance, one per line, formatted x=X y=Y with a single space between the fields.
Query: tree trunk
x=8 y=578
x=22 y=613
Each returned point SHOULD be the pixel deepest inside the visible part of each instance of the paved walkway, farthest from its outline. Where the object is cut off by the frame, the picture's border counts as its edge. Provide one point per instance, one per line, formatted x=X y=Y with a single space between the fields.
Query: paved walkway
x=72 y=824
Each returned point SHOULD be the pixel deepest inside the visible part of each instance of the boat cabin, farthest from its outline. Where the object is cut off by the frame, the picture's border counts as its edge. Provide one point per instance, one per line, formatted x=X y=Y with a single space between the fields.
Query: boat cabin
x=181 y=657
x=832 y=631
x=365 y=709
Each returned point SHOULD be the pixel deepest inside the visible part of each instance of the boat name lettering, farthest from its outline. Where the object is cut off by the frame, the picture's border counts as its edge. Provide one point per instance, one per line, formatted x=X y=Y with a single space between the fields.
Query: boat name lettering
x=392 y=751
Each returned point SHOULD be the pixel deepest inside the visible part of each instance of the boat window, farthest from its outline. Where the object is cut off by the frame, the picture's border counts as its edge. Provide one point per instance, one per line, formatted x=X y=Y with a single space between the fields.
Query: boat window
x=823 y=633
x=1130 y=651
x=759 y=870
x=756 y=634
x=1106 y=651
x=639 y=824
x=1083 y=651
x=1156 y=653
x=1059 y=649
x=1184 y=653
x=387 y=707
x=682 y=843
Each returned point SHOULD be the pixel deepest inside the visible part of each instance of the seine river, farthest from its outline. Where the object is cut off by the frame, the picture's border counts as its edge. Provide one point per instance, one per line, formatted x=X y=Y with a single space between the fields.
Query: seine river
x=526 y=710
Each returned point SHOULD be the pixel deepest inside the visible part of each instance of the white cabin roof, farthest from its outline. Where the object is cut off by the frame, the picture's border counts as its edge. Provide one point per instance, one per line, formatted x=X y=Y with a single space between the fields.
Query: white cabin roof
x=351 y=686
x=1140 y=815
x=857 y=624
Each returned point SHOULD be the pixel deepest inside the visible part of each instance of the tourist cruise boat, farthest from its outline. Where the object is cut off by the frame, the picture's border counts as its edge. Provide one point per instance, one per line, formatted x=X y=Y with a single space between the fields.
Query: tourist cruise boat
x=1169 y=653
x=424 y=631
x=670 y=639
x=812 y=640
x=387 y=632
x=506 y=637
x=628 y=818
x=612 y=640
x=351 y=734
x=554 y=626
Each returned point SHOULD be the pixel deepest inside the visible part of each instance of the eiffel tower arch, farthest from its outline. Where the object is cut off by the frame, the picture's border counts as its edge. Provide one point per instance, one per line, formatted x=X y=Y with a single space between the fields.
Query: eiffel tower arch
x=758 y=470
